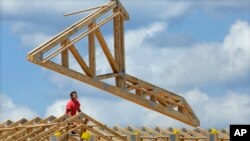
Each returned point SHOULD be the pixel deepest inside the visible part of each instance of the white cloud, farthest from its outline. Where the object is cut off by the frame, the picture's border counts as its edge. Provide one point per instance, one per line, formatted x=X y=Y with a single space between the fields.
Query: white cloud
x=237 y=46
x=11 y=111
x=198 y=64
x=218 y=111
x=173 y=9
x=57 y=108
x=34 y=39
x=223 y=8
x=19 y=7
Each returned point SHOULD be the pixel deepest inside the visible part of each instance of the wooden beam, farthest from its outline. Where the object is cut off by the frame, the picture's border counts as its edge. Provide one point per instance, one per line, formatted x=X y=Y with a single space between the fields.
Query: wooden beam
x=92 y=58
x=119 y=47
x=80 y=60
x=64 y=54
x=106 y=76
x=104 y=127
x=106 y=51
x=85 y=10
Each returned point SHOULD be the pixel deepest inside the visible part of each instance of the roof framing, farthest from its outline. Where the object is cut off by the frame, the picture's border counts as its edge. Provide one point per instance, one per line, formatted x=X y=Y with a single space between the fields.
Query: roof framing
x=58 y=129
x=126 y=86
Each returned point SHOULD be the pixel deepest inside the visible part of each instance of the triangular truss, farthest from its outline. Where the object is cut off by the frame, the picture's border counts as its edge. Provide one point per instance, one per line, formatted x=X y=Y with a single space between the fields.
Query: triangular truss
x=126 y=86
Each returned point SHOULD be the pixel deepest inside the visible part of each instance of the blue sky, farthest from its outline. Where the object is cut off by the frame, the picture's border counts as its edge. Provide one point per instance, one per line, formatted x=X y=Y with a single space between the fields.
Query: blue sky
x=200 y=50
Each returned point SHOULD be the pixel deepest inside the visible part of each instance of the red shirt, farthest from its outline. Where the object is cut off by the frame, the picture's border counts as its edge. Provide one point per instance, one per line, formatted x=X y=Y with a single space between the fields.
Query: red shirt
x=73 y=106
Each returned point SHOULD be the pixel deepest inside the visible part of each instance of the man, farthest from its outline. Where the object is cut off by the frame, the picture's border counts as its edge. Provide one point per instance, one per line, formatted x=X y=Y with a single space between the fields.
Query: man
x=73 y=106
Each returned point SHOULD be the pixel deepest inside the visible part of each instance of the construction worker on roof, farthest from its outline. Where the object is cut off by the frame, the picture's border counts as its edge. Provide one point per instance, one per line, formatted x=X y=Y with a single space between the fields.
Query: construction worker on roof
x=73 y=106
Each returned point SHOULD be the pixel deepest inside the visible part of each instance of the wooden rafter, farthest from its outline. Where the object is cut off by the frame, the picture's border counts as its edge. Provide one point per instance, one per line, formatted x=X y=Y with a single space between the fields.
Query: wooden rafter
x=44 y=129
x=38 y=129
x=126 y=86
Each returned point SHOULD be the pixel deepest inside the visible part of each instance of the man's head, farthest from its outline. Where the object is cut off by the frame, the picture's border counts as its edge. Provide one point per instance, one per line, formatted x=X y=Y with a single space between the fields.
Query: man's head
x=73 y=95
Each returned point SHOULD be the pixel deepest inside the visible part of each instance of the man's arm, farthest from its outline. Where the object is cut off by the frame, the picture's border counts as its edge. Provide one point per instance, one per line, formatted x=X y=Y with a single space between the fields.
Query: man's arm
x=79 y=109
x=68 y=109
x=68 y=112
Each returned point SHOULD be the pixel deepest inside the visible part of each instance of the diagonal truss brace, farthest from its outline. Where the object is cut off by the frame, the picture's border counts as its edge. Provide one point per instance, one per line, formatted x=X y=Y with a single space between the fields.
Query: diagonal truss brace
x=126 y=86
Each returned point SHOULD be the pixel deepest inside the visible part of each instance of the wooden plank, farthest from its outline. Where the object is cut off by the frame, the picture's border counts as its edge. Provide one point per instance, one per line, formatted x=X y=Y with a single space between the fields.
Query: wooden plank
x=65 y=55
x=119 y=47
x=106 y=51
x=106 y=76
x=92 y=58
x=80 y=60
x=123 y=63
x=85 y=10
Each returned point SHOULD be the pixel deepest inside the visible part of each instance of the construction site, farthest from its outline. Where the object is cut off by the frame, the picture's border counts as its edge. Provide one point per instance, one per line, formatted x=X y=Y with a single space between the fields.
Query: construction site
x=125 y=86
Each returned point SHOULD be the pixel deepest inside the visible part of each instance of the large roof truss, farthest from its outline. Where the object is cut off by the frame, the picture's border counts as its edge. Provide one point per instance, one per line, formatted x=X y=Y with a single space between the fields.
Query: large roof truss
x=125 y=86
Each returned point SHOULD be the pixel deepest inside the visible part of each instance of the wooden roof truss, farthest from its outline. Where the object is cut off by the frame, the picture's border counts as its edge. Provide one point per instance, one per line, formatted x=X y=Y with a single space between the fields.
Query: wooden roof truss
x=44 y=130
x=125 y=86
x=39 y=129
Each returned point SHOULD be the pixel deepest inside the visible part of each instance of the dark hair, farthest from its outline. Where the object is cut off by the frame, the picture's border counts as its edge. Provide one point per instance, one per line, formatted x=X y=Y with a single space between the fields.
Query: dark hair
x=73 y=92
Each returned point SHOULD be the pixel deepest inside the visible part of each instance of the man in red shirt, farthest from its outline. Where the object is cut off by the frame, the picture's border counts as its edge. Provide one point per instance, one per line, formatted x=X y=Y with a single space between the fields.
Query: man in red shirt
x=73 y=106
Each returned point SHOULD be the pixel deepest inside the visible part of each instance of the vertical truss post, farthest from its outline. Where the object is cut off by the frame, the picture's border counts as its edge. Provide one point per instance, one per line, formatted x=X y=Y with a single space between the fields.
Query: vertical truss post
x=119 y=46
x=92 y=58
x=65 y=54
